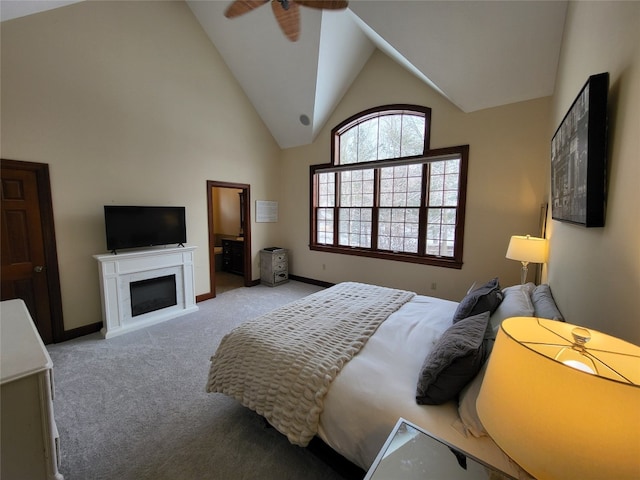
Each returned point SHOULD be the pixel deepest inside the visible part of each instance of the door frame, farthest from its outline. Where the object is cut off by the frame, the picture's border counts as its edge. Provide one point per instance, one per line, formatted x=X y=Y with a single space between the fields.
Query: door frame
x=45 y=203
x=246 y=190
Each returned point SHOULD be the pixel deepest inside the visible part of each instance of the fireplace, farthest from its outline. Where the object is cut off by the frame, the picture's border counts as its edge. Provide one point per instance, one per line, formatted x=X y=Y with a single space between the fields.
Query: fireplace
x=144 y=287
x=152 y=294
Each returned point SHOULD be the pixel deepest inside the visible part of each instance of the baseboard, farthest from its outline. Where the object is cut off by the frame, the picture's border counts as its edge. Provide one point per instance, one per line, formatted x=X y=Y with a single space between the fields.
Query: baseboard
x=204 y=296
x=95 y=327
x=82 y=331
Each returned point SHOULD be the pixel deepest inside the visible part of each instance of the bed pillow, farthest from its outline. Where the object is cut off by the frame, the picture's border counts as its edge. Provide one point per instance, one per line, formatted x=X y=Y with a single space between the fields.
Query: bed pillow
x=544 y=305
x=516 y=302
x=483 y=299
x=454 y=361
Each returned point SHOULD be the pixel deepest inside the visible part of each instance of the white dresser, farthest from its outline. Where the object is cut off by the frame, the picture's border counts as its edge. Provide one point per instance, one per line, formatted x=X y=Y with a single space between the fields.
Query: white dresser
x=29 y=437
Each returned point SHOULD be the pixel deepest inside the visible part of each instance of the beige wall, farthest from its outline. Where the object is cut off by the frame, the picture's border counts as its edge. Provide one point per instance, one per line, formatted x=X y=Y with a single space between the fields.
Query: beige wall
x=128 y=103
x=226 y=211
x=595 y=273
x=508 y=153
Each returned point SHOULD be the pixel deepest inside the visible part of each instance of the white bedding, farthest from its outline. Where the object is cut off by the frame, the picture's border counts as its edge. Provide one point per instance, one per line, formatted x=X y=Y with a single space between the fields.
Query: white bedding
x=378 y=386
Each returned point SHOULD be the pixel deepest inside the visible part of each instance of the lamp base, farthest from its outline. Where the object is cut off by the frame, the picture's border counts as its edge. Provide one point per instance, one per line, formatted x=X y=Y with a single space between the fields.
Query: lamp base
x=523 y=272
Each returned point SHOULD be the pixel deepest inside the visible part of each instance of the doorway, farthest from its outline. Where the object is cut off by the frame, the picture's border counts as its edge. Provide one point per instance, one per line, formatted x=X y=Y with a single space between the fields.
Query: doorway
x=28 y=258
x=229 y=216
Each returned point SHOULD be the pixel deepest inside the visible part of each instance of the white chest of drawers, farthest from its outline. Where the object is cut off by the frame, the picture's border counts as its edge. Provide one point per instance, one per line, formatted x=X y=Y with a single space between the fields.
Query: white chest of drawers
x=29 y=437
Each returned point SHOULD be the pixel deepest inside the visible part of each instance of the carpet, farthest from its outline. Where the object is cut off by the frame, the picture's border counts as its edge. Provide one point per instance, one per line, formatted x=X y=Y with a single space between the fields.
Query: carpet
x=135 y=406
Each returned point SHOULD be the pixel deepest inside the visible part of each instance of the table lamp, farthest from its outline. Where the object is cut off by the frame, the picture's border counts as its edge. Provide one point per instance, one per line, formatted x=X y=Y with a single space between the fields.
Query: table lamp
x=563 y=401
x=527 y=249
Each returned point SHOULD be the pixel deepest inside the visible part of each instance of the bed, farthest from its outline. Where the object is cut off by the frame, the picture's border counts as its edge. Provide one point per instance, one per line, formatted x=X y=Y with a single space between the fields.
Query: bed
x=345 y=363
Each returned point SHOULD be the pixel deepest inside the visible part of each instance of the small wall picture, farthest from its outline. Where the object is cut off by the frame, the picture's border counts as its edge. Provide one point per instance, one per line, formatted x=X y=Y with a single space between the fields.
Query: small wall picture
x=578 y=157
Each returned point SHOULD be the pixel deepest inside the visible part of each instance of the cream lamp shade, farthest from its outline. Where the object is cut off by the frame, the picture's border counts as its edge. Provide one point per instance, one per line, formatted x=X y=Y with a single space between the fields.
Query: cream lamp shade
x=527 y=249
x=543 y=407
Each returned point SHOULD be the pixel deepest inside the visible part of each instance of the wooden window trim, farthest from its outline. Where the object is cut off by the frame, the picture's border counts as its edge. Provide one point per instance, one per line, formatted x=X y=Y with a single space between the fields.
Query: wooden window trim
x=462 y=151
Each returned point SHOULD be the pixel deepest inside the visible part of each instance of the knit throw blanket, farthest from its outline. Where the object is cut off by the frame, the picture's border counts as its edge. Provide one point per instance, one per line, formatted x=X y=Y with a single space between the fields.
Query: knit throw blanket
x=281 y=364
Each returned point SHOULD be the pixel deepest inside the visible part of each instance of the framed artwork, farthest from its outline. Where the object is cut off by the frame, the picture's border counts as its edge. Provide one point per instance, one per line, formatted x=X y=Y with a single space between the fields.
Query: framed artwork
x=578 y=157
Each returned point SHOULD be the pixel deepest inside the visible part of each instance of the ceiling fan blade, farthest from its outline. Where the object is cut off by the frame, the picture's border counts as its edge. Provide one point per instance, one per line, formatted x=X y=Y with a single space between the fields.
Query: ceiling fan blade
x=324 y=4
x=240 y=7
x=289 y=20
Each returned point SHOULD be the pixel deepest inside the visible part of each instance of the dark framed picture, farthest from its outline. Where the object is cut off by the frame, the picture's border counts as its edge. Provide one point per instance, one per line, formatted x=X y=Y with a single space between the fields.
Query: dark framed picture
x=579 y=158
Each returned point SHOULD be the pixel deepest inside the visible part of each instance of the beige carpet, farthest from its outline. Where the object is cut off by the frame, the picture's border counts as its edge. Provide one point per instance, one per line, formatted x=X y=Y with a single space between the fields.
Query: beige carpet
x=134 y=407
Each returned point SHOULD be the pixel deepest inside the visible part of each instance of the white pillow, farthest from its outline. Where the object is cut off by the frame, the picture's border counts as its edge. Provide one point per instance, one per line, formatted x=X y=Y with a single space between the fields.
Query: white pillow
x=516 y=303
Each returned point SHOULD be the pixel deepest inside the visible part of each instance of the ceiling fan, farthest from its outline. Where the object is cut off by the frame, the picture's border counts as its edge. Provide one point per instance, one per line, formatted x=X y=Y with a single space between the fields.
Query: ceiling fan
x=286 y=12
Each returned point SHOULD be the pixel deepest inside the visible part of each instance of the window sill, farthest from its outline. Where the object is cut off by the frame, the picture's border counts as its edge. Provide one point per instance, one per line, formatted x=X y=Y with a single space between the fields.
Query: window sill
x=397 y=257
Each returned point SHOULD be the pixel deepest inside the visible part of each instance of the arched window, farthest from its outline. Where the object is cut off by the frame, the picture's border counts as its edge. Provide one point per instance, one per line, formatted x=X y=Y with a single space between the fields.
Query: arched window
x=386 y=194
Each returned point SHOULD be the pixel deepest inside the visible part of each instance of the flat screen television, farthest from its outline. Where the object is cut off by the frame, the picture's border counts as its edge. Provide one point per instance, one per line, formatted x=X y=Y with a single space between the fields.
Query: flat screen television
x=138 y=226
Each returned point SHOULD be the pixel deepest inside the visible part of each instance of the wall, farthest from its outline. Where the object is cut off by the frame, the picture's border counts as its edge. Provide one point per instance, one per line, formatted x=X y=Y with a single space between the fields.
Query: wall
x=128 y=103
x=226 y=211
x=595 y=273
x=506 y=186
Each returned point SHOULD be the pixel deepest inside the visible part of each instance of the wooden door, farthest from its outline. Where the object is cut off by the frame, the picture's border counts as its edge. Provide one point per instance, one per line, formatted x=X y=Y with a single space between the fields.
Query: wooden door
x=29 y=265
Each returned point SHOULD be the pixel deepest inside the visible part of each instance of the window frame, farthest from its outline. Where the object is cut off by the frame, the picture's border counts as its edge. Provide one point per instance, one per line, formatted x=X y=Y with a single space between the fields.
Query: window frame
x=461 y=151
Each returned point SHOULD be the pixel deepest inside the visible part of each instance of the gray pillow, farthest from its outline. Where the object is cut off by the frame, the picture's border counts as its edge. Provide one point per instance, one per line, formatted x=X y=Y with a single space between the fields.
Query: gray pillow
x=453 y=362
x=543 y=304
x=483 y=299
x=516 y=302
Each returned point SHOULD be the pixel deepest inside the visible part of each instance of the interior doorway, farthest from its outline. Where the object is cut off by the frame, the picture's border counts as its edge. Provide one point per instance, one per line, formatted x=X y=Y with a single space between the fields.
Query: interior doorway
x=229 y=216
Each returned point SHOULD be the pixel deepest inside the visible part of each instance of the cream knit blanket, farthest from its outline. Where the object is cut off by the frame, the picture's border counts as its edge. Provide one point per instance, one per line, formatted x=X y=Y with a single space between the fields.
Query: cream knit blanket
x=281 y=364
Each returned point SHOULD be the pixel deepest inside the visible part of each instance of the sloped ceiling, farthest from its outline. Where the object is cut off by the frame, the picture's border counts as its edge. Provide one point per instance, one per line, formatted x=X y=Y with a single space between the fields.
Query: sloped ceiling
x=479 y=54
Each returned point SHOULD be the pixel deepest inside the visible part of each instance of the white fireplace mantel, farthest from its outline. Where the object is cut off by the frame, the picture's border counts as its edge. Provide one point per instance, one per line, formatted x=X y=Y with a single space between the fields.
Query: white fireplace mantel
x=117 y=271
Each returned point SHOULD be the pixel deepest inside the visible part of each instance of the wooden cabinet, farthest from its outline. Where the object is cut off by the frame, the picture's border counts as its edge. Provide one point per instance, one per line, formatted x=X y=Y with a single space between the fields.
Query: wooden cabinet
x=233 y=256
x=274 y=266
x=29 y=437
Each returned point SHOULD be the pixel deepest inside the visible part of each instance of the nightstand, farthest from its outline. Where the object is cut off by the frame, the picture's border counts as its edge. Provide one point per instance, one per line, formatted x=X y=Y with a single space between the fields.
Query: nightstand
x=411 y=453
x=274 y=266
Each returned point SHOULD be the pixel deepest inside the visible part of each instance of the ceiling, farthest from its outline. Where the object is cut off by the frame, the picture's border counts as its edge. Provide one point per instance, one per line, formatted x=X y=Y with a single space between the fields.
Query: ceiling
x=477 y=53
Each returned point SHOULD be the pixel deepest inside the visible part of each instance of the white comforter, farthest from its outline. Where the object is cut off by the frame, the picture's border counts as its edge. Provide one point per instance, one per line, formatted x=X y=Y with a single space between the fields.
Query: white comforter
x=378 y=386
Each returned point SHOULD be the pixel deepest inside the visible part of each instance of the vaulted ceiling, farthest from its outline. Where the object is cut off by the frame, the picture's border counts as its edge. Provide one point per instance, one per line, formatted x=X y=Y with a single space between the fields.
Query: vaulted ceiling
x=478 y=54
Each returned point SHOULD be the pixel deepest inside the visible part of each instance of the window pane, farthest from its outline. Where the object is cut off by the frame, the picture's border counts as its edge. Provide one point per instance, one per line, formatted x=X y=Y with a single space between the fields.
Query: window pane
x=441 y=230
x=356 y=188
x=383 y=137
x=324 y=225
x=354 y=228
x=400 y=186
x=368 y=140
x=412 y=135
x=326 y=189
x=390 y=135
x=349 y=147
x=444 y=178
x=398 y=229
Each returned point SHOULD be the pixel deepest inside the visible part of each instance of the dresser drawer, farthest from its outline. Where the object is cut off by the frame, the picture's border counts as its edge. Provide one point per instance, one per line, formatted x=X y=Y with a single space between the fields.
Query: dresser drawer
x=280 y=257
x=280 y=277
x=279 y=267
